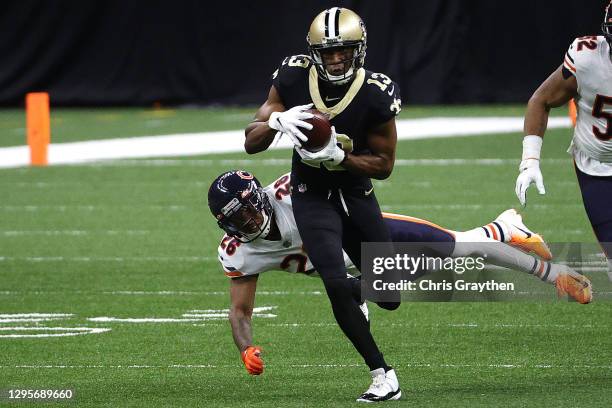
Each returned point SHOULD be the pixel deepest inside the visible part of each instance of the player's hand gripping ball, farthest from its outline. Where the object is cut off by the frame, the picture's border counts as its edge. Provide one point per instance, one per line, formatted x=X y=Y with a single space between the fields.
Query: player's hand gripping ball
x=319 y=135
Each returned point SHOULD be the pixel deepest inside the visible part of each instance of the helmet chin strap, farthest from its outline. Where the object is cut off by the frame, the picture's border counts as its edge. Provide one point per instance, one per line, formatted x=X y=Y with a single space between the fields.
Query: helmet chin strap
x=340 y=79
x=267 y=221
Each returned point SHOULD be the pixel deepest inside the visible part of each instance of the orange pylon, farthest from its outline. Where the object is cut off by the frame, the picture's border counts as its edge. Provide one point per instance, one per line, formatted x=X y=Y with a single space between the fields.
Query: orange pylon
x=38 y=124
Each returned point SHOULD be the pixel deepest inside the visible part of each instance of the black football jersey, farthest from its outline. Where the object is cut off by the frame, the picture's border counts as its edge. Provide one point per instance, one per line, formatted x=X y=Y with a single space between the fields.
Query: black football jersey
x=368 y=101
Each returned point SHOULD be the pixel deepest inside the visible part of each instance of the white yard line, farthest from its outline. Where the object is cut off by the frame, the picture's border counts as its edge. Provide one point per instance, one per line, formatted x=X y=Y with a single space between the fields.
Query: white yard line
x=28 y=315
x=287 y=162
x=64 y=208
x=176 y=208
x=191 y=144
x=153 y=293
x=107 y=258
x=312 y=365
x=191 y=316
x=17 y=233
x=469 y=207
x=33 y=317
x=429 y=326
x=24 y=332
x=107 y=319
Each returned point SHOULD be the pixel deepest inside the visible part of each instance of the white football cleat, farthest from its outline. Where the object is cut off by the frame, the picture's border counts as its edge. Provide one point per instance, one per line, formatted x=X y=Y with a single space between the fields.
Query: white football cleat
x=385 y=387
x=521 y=236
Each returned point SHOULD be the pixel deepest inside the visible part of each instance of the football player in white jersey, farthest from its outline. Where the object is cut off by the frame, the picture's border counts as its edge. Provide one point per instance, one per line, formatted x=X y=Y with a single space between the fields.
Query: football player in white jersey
x=586 y=76
x=261 y=235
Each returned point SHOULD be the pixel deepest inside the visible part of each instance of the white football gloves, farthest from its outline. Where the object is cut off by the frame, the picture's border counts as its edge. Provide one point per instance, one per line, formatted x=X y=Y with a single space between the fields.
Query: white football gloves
x=530 y=168
x=332 y=153
x=289 y=122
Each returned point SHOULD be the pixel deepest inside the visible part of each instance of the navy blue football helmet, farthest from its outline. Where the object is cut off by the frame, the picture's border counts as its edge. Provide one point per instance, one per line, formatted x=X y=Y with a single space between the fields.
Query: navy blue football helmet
x=606 y=26
x=241 y=207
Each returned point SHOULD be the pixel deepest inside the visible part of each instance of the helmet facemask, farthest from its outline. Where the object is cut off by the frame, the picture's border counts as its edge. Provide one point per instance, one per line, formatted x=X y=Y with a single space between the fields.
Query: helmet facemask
x=248 y=217
x=351 y=64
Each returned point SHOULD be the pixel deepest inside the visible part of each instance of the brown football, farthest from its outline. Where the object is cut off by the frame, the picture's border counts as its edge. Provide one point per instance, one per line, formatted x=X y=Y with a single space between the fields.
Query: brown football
x=319 y=135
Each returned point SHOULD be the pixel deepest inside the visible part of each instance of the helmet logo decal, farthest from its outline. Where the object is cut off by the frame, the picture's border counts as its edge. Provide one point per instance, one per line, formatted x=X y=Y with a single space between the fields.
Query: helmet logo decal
x=332 y=19
x=244 y=175
x=231 y=207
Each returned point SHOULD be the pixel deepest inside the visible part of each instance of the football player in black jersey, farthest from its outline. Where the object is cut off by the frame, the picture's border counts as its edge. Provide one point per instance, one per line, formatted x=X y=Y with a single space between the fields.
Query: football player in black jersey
x=333 y=200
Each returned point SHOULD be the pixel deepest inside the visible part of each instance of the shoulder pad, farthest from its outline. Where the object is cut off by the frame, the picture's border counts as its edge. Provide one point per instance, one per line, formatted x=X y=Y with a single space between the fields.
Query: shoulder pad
x=580 y=50
x=290 y=69
x=280 y=189
x=384 y=96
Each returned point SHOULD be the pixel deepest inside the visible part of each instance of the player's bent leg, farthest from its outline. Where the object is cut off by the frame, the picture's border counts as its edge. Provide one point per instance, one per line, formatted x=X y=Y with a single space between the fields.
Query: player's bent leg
x=320 y=227
x=404 y=228
x=485 y=240
x=567 y=281
x=352 y=321
x=366 y=224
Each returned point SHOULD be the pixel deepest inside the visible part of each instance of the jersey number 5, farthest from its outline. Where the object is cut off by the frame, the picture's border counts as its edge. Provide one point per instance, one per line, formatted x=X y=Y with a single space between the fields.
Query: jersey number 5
x=599 y=111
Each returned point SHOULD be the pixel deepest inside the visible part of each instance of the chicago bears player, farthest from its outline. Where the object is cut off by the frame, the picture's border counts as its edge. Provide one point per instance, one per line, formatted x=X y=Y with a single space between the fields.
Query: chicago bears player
x=586 y=76
x=261 y=235
x=334 y=206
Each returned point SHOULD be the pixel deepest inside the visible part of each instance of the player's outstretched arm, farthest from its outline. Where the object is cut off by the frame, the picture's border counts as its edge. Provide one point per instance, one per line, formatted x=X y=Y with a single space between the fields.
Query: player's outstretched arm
x=382 y=141
x=555 y=91
x=259 y=136
x=242 y=295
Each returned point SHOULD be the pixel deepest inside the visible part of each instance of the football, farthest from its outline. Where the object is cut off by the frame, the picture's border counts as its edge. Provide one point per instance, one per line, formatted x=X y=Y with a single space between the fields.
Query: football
x=320 y=133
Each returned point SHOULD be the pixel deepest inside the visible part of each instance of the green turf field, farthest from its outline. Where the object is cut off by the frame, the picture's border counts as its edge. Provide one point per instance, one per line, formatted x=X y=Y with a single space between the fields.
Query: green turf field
x=135 y=240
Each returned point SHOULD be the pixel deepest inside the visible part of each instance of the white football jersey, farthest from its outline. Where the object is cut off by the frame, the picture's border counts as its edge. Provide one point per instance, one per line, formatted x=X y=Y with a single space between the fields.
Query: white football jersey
x=588 y=59
x=261 y=255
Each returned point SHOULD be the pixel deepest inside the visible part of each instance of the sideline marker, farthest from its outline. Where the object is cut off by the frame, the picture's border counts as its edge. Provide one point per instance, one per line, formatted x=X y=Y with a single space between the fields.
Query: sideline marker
x=38 y=124
x=572 y=111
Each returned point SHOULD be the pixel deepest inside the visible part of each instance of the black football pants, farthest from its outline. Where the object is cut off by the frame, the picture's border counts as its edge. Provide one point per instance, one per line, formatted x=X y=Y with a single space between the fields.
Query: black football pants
x=328 y=221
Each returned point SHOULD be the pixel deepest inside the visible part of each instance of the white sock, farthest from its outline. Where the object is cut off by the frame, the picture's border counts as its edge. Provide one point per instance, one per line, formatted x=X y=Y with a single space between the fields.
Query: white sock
x=470 y=243
x=496 y=230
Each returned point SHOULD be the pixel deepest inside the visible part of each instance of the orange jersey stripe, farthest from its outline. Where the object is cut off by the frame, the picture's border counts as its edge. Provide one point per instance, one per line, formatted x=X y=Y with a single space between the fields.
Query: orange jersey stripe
x=569 y=65
x=415 y=220
x=233 y=274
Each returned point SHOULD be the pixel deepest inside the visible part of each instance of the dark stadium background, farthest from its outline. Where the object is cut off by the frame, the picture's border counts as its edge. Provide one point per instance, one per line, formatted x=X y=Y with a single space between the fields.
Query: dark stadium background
x=118 y=52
